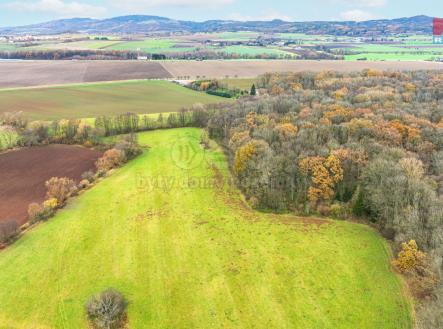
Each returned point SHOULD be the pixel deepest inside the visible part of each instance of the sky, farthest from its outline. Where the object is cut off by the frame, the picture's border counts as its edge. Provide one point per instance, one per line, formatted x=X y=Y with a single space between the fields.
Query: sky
x=14 y=12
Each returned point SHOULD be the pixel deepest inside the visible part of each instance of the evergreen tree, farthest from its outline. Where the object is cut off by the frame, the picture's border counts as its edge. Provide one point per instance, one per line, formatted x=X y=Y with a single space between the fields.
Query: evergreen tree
x=253 y=90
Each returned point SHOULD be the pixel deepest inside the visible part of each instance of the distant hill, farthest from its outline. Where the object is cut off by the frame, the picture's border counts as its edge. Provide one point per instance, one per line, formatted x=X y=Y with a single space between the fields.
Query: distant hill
x=139 y=24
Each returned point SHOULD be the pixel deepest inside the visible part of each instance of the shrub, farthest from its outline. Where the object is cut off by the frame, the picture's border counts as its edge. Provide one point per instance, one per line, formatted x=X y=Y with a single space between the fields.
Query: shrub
x=129 y=146
x=60 y=189
x=8 y=230
x=324 y=210
x=339 y=211
x=37 y=212
x=204 y=140
x=107 y=310
x=415 y=265
x=410 y=257
x=51 y=204
x=111 y=159
x=84 y=183
x=88 y=175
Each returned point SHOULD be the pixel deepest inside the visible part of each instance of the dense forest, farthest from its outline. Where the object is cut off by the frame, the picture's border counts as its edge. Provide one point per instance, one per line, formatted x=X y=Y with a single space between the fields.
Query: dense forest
x=365 y=146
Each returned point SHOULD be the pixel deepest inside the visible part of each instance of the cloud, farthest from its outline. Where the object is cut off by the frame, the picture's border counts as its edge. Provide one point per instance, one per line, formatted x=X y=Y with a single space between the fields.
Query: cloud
x=265 y=16
x=363 y=3
x=356 y=15
x=141 y=5
x=58 y=7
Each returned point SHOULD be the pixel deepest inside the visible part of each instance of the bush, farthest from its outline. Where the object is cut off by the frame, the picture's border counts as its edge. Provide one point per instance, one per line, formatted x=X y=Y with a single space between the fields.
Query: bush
x=111 y=159
x=37 y=212
x=84 y=183
x=89 y=176
x=414 y=263
x=50 y=204
x=60 y=189
x=107 y=310
x=339 y=211
x=8 y=230
x=129 y=146
x=324 y=210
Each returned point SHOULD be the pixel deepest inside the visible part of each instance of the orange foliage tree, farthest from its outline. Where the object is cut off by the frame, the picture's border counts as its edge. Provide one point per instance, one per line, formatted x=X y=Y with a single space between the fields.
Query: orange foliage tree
x=324 y=173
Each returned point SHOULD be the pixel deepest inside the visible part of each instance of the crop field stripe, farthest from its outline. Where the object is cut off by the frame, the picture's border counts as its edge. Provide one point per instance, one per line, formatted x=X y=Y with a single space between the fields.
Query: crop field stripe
x=194 y=256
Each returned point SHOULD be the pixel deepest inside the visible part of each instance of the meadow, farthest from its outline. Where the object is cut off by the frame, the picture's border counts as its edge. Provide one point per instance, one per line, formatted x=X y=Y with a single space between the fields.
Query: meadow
x=151 y=46
x=240 y=83
x=188 y=253
x=401 y=52
x=92 y=100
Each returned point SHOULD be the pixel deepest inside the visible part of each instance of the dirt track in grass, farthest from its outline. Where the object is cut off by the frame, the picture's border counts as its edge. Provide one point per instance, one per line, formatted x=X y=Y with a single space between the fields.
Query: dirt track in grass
x=23 y=174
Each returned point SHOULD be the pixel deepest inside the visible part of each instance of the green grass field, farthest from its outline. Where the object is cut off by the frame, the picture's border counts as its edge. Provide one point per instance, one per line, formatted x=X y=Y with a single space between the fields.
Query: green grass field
x=406 y=52
x=150 y=46
x=240 y=83
x=192 y=255
x=92 y=100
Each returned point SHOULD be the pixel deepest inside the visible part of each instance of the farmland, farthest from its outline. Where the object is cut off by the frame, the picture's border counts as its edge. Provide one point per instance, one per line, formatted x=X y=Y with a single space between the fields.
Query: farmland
x=23 y=174
x=251 y=69
x=38 y=73
x=194 y=256
x=92 y=100
x=246 y=45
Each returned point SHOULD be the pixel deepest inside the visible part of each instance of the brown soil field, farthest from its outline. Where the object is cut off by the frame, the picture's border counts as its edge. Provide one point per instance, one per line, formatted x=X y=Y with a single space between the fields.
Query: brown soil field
x=23 y=174
x=38 y=73
x=251 y=69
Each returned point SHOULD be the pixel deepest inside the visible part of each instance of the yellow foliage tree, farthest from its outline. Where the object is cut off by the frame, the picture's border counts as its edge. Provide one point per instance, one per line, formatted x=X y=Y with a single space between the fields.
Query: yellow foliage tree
x=341 y=93
x=409 y=258
x=325 y=173
x=287 y=130
x=243 y=155
x=276 y=90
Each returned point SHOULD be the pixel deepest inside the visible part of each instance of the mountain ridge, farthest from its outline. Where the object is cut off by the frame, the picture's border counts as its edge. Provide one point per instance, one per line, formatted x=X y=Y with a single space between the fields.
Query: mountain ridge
x=145 y=24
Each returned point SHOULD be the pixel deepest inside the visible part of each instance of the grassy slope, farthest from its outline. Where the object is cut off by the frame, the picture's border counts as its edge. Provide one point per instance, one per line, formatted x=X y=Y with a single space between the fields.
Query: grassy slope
x=241 y=83
x=103 y=98
x=195 y=258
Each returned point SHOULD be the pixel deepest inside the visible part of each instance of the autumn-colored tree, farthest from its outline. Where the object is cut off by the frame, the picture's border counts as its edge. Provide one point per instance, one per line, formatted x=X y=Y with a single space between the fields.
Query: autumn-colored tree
x=409 y=134
x=410 y=257
x=60 y=189
x=251 y=120
x=286 y=130
x=277 y=90
x=325 y=173
x=111 y=159
x=341 y=93
x=415 y=264
x=243 y=155
x=238 y=139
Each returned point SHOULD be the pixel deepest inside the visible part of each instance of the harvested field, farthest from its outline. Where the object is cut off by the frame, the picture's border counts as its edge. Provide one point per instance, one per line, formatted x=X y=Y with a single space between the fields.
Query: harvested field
x=38 y=73
x=251 y=69
x=23 y=174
